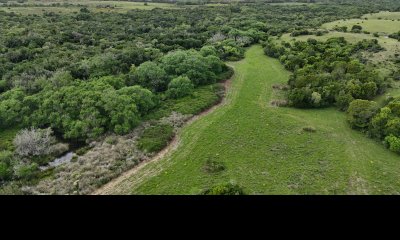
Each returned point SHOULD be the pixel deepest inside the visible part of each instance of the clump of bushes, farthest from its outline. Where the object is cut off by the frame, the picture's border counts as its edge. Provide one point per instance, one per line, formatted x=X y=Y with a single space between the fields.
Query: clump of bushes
x=155 y=138
x=224 y=189
x=360 y=113
x=279 y=103
x=112 y=140
x=309 y=129
x=213 y=166
x=33 y=142
x=337 y=80
x=356 y=29
x=180 y=87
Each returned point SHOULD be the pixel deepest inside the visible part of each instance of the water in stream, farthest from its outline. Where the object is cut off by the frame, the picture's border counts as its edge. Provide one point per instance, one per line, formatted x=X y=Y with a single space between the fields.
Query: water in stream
x=66 y=158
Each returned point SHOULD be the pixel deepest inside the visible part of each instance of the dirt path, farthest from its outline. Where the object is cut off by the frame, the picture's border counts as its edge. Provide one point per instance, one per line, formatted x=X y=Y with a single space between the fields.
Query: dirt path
x=172 y=146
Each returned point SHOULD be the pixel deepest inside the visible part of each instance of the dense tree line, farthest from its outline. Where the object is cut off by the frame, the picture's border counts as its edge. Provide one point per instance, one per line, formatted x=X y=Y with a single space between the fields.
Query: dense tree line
x=44 y=59
x=81 y=75
x=326 y=73
x=380 y=123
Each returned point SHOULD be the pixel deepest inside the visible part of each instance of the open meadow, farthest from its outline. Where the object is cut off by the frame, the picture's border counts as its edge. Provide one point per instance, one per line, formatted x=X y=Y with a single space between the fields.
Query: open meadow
x=268 y=150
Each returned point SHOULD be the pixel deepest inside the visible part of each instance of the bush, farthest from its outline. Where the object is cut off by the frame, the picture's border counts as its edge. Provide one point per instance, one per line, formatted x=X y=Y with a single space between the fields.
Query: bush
x=5 y=171
x=151 y=76
x=26 y=171
x=201 y=99
x=356 y=29
x=213 y=166
x=58 y=149
x=360 y=113
x=155 y=138
x=81 y=151
x=180 y=87
x=393 y=142
x=225 y=189
x=309 y=129
x=111 y=140
x=6 y=161
x=33 y=142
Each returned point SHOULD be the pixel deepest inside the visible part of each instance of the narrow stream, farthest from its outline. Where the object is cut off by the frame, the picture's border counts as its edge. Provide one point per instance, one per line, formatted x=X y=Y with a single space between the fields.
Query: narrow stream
x=66 y=158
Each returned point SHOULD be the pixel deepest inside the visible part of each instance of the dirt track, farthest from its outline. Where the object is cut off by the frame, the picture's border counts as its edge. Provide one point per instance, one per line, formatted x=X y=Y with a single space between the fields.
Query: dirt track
x=105 y=189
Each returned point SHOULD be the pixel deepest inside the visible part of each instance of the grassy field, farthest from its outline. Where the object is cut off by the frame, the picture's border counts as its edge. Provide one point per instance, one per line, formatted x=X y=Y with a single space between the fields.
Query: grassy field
x=383 y=15
x=97 y=6
x=370 y=25
x=266 y=150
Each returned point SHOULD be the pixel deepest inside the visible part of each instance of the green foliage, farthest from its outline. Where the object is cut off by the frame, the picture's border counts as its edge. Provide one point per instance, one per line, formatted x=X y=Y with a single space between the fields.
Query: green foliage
x=325 y=73
x=225 y=189
x=180 y=87
x=12 y=108
x=201 y=99
x=387 y=121
x=26 y=171
x=356 y=28
x=309 y=129
x=265 y=150
x=199 y=69
x=395 y=35
x=393 y=143
x=360 y=113
x=151 y=76
x=213 y=166
x=208 y=51
x=6 y=161
x=6 y=138
x=155 y=138
x=89 y=109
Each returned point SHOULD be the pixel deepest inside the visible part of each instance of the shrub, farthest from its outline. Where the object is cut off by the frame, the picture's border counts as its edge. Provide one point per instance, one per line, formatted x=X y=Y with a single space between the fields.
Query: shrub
x=180 y=87
x=5 y=171
x=356 y=28
x=176 y=119
x=111 y=140
x=81 y=151
x=279 y=103
x=224 y=189
x=155 y=138
x=309 y=129
x=33 y=142
x=213 y=166
x=6 y=161
x=26 y=171
x=151 y=76
x=343 y=100
x=360 y=113
x=393 y=142
x=58 y=149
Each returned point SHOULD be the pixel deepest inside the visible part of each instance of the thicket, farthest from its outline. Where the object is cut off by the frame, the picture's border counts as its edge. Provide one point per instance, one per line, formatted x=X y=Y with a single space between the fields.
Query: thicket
x=327 y=73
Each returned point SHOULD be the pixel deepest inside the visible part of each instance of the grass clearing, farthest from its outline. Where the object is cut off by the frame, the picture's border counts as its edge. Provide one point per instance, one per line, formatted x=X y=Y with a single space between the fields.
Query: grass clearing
x=265 y=149
x=370 y=25
x=383 y=15
x=96 y=6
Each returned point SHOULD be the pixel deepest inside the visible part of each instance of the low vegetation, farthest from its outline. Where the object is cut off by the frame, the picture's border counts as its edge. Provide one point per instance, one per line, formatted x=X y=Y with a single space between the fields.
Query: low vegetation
x=225 y=189
x=265 y=149
x=155 y=138
x=89 y=89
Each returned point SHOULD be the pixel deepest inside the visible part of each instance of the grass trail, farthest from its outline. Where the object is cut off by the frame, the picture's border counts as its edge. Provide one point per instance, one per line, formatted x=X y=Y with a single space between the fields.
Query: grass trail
x=265 y=149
